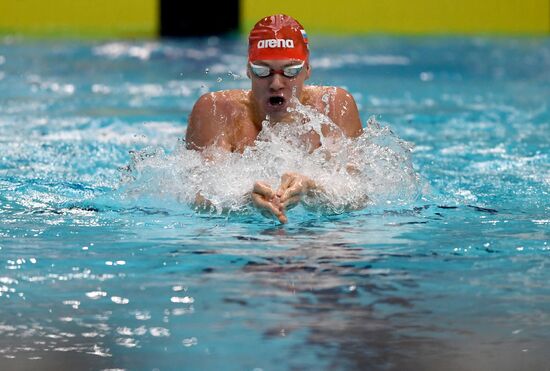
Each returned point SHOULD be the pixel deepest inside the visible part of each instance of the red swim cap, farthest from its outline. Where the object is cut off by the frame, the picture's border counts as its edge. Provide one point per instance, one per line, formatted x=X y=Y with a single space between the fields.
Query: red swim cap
x=278 y=36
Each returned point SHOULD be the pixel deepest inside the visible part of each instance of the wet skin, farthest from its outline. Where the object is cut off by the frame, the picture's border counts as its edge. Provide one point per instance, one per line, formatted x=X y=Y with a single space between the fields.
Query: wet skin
x=232 y=119
x=272 y=95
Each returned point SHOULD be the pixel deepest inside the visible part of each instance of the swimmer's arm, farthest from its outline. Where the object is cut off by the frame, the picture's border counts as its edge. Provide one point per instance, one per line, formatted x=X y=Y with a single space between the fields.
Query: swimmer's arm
x=206 y=127
x=344 y=113
x=295 y=187
x=205 y=130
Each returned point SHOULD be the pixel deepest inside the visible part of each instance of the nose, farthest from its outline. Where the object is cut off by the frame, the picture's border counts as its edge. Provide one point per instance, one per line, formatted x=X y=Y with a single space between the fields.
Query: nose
x=277 y=82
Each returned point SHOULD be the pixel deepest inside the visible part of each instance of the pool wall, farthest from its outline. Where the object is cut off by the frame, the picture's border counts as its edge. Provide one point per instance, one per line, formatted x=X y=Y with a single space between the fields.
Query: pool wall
x=152 y=18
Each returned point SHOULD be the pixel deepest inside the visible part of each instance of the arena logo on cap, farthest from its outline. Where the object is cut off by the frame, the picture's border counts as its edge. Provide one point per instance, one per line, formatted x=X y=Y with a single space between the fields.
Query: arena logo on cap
x=276 y=43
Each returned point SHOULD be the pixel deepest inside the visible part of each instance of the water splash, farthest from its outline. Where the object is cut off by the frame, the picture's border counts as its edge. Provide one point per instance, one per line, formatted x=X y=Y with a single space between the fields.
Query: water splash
x=374 y=169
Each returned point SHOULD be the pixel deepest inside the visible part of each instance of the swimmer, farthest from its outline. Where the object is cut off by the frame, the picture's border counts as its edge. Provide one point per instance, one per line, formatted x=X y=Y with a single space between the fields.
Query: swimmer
x=278 y=66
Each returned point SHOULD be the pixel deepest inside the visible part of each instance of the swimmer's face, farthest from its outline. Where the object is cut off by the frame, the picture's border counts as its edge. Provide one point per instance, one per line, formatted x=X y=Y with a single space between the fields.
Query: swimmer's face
x=272 y=94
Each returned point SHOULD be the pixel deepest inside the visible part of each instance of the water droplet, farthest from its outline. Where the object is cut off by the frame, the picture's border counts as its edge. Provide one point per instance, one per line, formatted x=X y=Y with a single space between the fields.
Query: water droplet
x=119 y=300
x=182 y=300
x=94 y=295
x=189 y=342
x=426 y=76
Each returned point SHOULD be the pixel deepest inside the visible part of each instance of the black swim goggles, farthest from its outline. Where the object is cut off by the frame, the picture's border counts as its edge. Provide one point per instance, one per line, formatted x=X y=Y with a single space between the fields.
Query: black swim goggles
x=265 y=71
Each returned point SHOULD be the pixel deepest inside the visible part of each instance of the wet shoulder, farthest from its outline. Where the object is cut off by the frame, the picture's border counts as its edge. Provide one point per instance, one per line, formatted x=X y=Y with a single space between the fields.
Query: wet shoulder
x=338 y=104
x=225 y=98
x=212 y=119
x=223 y=106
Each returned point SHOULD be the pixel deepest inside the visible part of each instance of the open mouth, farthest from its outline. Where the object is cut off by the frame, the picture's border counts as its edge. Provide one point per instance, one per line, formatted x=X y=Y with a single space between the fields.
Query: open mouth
x=276 y=101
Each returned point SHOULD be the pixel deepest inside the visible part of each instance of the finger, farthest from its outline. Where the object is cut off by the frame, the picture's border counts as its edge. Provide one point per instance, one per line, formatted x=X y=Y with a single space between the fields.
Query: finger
x=276 y=200
x=263 y=189
x=291 y=202
x=263 y=205
x=293 y=191
x=259 y=201
x=300 y=186
x=262 y=202
x=286 y=181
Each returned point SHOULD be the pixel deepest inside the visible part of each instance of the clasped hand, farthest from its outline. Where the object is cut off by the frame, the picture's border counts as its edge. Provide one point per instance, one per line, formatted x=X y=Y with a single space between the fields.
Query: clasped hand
x=275 y=203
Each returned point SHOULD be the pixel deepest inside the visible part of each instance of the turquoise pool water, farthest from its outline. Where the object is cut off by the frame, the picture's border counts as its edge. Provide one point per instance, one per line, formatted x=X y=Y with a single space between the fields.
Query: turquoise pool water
x=104 y=266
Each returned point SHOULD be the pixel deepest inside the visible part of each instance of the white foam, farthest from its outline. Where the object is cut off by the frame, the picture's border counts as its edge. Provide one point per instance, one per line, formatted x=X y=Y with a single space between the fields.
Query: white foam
x=373 y=169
